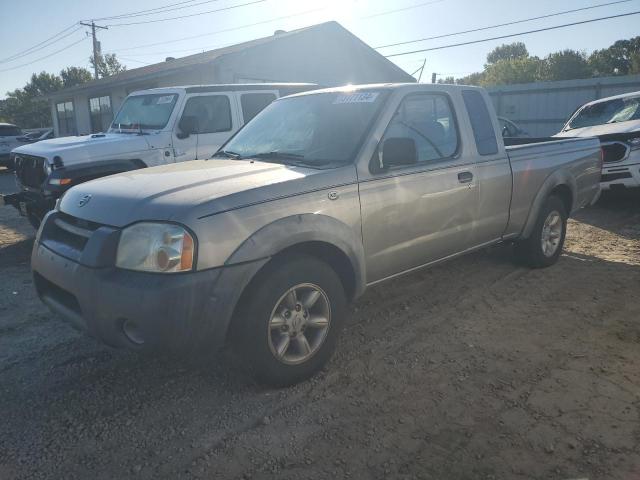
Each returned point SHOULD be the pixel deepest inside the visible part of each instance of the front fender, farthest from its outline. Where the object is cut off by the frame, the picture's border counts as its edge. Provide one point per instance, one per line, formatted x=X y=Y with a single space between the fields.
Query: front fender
x=298 y=229
x=554 y=180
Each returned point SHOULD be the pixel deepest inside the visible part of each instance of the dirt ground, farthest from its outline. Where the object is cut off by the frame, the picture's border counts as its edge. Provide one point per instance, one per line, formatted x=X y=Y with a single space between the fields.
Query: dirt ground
x=477 y=369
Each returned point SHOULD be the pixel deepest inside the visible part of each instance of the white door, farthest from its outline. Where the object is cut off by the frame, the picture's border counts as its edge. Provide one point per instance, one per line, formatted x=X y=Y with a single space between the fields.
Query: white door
x=216 y=120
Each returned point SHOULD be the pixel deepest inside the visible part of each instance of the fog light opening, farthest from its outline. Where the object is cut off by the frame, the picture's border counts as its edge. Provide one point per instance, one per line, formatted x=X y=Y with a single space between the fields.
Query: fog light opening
x=132 y=332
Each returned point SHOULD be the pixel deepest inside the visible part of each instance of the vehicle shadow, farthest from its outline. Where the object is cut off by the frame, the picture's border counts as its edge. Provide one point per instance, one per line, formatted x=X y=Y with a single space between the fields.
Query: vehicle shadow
x=16 y=253
x=626 y=206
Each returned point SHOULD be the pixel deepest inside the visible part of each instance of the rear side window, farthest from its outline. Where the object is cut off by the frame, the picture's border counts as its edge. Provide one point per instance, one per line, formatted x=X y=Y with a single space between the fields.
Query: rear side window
x=480 y=122
x=254 y=103
x=213 y=113
x=9 y=131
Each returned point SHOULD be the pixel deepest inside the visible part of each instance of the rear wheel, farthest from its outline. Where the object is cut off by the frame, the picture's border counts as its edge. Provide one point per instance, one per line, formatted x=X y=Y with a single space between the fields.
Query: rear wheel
x=544 y=245
x=289 y=320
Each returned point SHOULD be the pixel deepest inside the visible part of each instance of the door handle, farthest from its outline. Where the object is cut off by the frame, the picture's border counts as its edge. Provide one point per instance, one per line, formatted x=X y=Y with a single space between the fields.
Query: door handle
x=465 y=177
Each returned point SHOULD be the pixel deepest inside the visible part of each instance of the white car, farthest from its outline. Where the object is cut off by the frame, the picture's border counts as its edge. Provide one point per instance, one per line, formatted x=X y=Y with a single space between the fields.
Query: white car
x=9 y=134
x=616 y=121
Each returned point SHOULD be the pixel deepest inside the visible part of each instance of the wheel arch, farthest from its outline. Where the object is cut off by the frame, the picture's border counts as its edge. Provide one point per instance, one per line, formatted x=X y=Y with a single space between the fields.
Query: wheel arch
x=319 y=236
x=560 y=183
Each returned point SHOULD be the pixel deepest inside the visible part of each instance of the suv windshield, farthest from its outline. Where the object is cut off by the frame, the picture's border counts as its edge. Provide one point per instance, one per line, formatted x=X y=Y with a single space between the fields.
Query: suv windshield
x=315 y=130
x=145 y=111
x=612 y=111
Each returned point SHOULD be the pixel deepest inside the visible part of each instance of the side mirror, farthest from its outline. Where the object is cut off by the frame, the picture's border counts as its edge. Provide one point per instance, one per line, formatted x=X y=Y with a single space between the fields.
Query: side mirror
x=398 y=151
x=188 y=125
x=505 y=131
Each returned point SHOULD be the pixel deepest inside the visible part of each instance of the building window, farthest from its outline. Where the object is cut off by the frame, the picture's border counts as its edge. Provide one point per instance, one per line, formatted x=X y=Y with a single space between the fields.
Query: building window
x=254 y=103
x=66 y=119
x=101 y=113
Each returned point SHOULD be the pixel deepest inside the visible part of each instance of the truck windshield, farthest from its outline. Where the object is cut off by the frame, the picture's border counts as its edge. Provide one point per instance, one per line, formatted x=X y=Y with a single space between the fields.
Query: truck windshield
x=601 y=113
x=150 y=112
x=316 y=130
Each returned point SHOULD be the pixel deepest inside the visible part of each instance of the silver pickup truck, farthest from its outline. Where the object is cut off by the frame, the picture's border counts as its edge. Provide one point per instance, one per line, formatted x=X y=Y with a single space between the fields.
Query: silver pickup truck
x=320 y=196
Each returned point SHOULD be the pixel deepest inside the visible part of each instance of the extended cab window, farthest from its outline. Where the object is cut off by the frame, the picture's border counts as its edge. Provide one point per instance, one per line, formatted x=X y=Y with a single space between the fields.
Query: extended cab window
x=481 y=123
x=428 y=120
x=212 y=112
x=254 y=103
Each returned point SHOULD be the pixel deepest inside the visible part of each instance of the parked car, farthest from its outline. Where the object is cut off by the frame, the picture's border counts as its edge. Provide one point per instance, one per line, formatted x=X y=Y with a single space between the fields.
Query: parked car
x=320 y=196
x=616 y=121
x=9 y=139
x=37 y=136
x=510 y=129
x=153 y=127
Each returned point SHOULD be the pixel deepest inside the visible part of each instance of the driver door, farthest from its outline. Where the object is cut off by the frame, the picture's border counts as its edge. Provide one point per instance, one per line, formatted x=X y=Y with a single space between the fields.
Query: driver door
x=422 y=210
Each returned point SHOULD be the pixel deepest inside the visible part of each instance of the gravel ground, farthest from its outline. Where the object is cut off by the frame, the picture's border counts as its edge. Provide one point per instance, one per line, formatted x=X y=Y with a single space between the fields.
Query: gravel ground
x=474 y=369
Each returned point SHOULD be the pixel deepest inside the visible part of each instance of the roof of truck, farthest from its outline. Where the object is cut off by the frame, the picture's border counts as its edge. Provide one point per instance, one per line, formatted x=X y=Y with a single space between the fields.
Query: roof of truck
x=233 y=87
x=437 y=87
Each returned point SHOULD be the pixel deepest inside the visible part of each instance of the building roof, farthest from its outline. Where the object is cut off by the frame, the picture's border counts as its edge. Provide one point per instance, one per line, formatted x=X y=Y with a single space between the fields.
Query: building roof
x=174 y=65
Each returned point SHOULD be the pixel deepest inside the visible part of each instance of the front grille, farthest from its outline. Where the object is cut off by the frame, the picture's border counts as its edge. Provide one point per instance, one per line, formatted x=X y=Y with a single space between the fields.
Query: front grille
x=609 y=177
x=30 y=170
x=614 y=152
x=68 y=235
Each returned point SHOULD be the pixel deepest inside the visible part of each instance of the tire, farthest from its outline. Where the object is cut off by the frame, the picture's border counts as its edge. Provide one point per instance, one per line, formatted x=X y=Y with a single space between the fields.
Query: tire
x=283 y=339
x=544 y=245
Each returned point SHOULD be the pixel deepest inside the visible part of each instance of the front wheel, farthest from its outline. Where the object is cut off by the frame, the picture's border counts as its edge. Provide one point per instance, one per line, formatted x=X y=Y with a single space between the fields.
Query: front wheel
x=544 y=245
x=289 y=320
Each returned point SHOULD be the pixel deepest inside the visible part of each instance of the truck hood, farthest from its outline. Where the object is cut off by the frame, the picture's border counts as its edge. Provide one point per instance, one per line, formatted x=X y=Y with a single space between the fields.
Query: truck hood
x=622 y=127
x=186 y=192
x=73 y=150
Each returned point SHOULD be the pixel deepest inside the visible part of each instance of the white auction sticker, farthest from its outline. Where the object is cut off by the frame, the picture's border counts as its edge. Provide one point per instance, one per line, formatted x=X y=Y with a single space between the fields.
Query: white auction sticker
x=363 y=97
x=164 y=99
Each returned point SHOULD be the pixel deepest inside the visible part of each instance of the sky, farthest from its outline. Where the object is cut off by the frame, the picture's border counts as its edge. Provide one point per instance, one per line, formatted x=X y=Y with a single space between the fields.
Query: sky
x=378 y=22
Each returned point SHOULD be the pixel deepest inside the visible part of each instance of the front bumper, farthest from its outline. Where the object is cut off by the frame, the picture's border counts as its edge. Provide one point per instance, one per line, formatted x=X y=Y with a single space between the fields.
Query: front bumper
x=620 y=176
x=169 y=312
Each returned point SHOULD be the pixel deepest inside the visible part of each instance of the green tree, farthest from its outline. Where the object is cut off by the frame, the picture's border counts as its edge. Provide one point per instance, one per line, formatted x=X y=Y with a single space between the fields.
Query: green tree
x=108 y=65
x=565 y=65
x=514 y=70
x=510 y=51
x=476 y=79
x=615 y=60
x=28 y=107
x=72 y=76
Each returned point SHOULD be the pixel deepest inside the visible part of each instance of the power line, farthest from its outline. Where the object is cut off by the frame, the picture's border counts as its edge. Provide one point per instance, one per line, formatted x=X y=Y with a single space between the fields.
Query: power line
x=406 y=8
x=186 y=16
x=504 y=24
x=45 y=57
x=152 y=11
x=41 y=45
x=222 y=31
x=512 y=35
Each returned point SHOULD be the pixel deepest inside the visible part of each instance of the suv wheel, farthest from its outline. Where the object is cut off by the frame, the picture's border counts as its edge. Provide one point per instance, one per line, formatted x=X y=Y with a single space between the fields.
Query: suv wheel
x=544 y=245
x=289 y=320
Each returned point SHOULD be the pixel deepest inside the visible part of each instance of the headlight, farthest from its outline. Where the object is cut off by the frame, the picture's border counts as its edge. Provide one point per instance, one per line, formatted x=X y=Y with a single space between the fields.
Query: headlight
x=155 y=247
x=634 y=144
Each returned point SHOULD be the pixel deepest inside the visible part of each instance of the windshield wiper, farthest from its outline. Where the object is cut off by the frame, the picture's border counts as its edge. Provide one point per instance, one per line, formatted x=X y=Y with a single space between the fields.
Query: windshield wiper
x=276 y=154
x=228 y=154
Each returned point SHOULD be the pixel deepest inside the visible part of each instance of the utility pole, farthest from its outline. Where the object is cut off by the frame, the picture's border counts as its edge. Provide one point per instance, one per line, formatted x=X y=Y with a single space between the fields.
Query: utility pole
x=96 y=44
x=422 y=69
